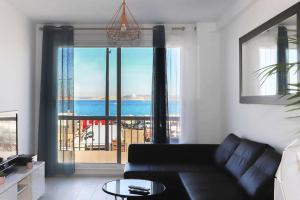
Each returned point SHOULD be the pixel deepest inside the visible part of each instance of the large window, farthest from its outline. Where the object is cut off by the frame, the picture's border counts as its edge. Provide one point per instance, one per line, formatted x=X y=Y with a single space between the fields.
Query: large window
x=112 y=91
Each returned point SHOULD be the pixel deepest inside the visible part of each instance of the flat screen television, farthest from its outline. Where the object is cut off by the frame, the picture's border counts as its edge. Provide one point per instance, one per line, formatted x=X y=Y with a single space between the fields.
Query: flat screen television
x=8 y=136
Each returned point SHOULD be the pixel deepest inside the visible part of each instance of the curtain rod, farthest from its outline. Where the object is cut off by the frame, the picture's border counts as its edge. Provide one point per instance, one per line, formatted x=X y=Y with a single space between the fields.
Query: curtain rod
x=181 y=28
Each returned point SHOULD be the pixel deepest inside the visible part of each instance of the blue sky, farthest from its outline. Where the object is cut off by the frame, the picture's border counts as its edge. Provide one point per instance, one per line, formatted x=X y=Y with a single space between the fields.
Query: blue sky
x=90 y=64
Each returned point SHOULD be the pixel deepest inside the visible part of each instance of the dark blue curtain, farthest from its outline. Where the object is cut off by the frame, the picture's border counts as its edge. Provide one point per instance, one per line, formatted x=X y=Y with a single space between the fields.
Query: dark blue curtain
x=160 y=124
x=56 y=117
x=282 y=56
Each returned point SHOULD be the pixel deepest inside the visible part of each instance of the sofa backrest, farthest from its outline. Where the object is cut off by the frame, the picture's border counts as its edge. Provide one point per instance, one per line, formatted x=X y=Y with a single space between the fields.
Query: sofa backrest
x=258 y=180
x=226 y=149
x=171 y=153
x=244 y=156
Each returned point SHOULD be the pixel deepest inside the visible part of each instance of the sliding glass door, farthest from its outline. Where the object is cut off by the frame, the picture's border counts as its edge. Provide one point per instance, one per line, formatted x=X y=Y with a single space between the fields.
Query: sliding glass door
x=136 y=82
x=95 y=105
x=112 y=91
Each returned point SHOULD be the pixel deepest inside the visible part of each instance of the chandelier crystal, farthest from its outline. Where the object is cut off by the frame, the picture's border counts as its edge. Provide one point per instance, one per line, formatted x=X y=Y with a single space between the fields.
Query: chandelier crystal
x=123 y=26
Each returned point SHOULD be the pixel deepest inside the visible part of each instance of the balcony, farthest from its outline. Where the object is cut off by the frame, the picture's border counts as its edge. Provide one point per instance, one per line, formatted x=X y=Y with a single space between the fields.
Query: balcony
x=95 y=139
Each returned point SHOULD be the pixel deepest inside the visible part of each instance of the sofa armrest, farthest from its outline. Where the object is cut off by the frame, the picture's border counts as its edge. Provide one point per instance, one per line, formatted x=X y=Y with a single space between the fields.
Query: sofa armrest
x=172 y=153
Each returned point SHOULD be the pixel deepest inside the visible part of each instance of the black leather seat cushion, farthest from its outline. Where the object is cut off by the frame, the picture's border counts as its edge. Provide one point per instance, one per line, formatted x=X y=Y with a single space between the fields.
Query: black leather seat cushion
x=166 y=173
x=211 y=186
x=225 y=150
x=244 y=156
x=258 y=180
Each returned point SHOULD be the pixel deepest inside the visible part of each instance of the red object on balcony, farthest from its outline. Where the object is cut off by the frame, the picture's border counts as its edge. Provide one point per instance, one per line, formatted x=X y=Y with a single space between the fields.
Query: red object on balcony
x=84 y=124
x=96 y=122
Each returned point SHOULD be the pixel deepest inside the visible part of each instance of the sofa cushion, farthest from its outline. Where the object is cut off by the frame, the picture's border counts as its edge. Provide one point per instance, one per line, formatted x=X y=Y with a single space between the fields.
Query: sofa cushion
x=244 y=156
x=165 y=173
x=225 y=150
x=258 y=180
x=211 y=186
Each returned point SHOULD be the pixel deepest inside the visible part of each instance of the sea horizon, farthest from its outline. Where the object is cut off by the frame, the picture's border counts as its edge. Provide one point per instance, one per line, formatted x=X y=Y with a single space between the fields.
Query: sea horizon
x=128 y=107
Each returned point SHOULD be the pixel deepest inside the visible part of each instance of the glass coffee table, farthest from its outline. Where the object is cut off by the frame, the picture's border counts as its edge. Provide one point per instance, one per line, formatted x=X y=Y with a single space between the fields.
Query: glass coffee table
x=120 y=188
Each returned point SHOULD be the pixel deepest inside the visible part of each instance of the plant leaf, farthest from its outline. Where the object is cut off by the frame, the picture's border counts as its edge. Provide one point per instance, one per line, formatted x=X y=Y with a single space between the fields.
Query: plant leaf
x=297 y=95
x=292 y=104
x=294 y=117
x=294 y=109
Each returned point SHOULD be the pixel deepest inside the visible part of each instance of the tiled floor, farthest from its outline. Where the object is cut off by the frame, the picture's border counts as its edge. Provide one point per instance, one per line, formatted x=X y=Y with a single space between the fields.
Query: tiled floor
x=76 y=188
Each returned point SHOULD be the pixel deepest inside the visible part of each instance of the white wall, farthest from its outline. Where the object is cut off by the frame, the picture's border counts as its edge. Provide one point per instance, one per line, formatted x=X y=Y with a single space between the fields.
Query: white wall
x=209 y=85
x=16 y=71
x=265 y=123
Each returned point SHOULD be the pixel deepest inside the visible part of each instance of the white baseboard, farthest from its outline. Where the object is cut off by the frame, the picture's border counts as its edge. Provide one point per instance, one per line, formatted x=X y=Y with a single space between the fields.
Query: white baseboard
x=99 y=170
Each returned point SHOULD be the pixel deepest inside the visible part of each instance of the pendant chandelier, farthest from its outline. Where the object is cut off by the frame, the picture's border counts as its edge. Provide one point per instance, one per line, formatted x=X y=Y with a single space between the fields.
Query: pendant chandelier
x=123 y=26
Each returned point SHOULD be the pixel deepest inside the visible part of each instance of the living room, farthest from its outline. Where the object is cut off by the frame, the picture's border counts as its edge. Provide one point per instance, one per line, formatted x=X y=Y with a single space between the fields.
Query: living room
x=131 y=99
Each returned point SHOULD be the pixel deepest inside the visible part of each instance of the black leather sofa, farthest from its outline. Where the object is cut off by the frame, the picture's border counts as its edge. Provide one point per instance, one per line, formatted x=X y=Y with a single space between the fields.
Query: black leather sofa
x=237 y=169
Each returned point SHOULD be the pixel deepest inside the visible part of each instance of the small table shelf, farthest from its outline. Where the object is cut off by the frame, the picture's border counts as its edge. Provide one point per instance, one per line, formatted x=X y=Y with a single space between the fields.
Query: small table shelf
x=21 y=188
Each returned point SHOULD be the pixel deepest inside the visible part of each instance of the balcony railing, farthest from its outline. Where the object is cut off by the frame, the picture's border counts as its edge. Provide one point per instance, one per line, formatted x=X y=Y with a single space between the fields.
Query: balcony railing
x=99 y=133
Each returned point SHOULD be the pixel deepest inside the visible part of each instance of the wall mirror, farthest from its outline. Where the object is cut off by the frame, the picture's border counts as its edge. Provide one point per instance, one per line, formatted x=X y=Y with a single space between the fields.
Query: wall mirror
x=269 y=60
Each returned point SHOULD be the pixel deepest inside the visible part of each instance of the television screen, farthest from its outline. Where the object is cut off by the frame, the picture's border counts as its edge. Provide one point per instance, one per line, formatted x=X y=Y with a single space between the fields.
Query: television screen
x=8 y=135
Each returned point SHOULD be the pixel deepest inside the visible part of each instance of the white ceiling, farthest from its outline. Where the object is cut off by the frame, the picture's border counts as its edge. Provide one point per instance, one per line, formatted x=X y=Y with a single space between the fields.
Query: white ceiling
x=101 y=11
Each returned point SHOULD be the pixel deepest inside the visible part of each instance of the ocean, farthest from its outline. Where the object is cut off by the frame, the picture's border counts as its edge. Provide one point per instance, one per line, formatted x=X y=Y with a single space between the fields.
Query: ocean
x=129 y=107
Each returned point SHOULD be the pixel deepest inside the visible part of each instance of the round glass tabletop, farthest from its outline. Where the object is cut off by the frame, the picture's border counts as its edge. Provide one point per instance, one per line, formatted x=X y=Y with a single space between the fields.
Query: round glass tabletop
x=120 y=188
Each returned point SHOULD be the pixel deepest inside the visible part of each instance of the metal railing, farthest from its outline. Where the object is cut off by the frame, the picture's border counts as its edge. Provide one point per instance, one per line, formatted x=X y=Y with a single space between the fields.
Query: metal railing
x=99 y=133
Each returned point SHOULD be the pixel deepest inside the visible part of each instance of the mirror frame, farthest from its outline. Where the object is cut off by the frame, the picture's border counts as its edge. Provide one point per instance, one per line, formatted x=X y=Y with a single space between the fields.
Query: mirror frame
x=268 y=99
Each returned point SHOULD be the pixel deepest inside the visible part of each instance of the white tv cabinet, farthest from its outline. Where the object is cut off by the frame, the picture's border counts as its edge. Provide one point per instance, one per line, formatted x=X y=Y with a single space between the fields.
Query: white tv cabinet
x=24 y=184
